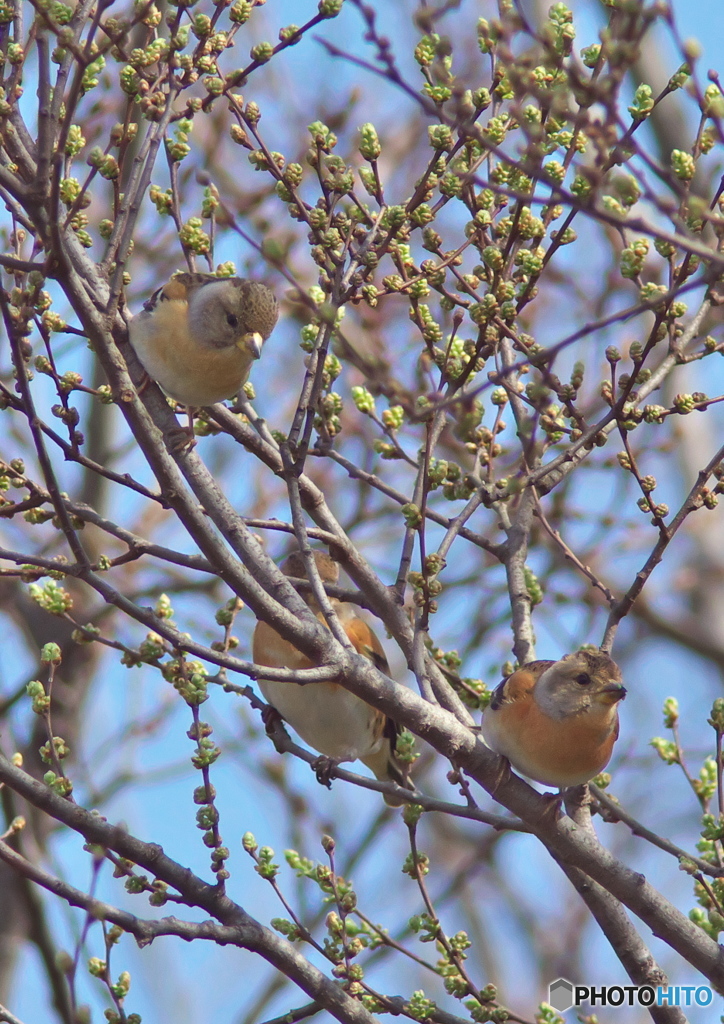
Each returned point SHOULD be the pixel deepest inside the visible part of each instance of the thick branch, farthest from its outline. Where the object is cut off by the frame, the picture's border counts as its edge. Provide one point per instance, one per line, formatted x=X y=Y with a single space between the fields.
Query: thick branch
x=615 y=923
x=242 y=929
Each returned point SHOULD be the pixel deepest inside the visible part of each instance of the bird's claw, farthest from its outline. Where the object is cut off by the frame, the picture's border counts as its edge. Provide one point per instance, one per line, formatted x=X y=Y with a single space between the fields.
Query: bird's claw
x=553 y=808
x=271 y=718
x=180 y=439
x=502 y=775
x=325 y=769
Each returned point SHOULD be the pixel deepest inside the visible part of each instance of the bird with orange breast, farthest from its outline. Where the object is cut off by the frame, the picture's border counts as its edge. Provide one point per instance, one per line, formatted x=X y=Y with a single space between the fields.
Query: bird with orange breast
x=557 y=721
x=328 y=717
x=198 y=335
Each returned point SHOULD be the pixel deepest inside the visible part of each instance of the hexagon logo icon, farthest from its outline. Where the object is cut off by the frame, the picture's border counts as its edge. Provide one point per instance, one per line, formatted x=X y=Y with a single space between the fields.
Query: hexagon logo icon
x=560 y=995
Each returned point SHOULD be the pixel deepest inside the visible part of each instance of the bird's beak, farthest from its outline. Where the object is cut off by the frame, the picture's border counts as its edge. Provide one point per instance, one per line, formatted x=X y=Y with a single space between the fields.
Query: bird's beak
x=251 y=342
x=613 y=694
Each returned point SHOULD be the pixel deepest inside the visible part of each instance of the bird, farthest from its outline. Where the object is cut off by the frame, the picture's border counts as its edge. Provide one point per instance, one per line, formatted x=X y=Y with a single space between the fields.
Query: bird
x=557 y=721
x=198 y=335
x=331 y=719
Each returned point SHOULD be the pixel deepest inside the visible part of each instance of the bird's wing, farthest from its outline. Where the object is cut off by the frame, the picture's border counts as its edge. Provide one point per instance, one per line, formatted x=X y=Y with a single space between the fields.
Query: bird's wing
x=385 y=764
x=192 y=282
x=365 y=642
x=180 y=288
x=150 y=304
x=518 y=685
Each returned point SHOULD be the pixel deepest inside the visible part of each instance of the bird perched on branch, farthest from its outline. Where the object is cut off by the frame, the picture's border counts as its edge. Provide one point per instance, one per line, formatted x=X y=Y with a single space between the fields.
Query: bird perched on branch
x=329 y=718
x=557 y=721
x=198 y=335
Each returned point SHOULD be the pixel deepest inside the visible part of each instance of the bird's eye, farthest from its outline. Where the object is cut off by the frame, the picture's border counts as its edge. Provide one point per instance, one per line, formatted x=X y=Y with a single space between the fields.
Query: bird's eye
x=583 y=679
x=232 y=321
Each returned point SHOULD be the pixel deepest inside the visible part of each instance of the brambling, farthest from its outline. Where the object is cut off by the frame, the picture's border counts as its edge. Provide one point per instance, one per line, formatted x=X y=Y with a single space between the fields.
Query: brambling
x=557 y=721
x=198 y=335
x=328 y=717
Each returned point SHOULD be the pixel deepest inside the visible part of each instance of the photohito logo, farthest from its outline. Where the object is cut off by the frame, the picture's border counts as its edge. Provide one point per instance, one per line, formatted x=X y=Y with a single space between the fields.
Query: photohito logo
x=563 y=994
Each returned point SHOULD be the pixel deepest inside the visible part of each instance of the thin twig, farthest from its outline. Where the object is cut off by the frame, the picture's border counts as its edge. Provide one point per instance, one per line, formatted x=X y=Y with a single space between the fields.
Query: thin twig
x=693 y=501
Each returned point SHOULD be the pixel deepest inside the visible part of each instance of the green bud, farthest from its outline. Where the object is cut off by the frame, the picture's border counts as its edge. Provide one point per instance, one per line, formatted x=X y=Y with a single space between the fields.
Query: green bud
x=240 y=11
x=671 y=712
x=591 y=54
x=369 y=145
x=262 y=52
x=329 y=8
x=683 y=164
x=363 y=399
x=440 y=136
x=643 y=103
x=666 y=749
x=412 y=516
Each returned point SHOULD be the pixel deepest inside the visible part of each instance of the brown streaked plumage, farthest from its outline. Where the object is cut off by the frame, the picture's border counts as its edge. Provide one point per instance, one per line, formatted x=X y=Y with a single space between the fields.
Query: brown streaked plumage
x=198 y=335
x=329 y=718
x=557 y=721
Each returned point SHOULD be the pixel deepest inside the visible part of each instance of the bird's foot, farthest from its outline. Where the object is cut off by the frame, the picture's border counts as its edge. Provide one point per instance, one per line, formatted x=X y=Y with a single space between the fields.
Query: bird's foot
x=325 y=768
x=145 y=381
x=271 y=718
x=502 y=775
x=553 y=809
x=180 y=439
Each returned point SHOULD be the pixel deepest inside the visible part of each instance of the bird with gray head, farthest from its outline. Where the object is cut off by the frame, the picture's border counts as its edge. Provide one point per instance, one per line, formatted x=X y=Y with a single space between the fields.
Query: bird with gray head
x=557 y=721
x=198 y=335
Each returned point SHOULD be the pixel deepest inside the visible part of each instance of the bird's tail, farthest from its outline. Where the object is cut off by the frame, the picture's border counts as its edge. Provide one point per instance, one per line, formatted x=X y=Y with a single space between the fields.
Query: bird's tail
x=388 y=768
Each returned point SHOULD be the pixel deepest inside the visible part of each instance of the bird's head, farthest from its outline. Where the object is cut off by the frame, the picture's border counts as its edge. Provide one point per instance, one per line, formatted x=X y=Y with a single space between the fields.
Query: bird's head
x=233 y=311
x=580 y=682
